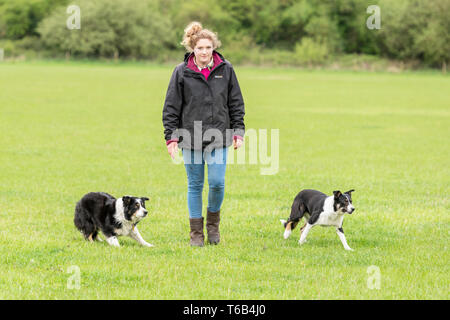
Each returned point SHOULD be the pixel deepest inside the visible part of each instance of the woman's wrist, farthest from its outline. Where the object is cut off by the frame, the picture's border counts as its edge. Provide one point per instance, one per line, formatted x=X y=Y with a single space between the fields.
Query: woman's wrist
x=170 y=141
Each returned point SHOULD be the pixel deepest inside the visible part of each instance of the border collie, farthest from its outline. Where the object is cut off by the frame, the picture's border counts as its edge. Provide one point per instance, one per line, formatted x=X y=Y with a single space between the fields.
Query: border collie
x=319 y=209
x=114 y=217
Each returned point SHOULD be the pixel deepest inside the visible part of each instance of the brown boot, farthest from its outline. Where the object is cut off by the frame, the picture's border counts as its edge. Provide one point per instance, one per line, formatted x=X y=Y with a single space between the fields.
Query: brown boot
x=212 y=227
x=197 y=237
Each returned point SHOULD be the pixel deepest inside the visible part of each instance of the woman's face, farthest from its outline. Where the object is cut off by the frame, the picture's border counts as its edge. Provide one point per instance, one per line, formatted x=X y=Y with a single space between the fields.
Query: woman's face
x=203 y=51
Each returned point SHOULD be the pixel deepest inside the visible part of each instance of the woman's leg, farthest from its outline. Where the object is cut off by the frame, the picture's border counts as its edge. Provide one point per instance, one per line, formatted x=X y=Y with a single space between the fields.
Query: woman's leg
x=216 y=180
x=217 y=162
x=196 y=175
x=195 y=170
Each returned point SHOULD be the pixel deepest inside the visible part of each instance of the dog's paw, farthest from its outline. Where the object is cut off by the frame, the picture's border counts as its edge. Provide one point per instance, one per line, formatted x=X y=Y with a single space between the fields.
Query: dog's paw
x=287 y=233
x=349 y=249
x=113 y=241
x=149 y=245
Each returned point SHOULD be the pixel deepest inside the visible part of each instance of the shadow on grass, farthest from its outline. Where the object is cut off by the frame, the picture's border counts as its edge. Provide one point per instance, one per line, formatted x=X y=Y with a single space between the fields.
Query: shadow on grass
x=371 y=241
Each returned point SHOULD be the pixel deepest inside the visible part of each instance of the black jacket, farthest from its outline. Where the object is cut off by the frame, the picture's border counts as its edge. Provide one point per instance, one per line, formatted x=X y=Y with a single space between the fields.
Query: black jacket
x=215 y=105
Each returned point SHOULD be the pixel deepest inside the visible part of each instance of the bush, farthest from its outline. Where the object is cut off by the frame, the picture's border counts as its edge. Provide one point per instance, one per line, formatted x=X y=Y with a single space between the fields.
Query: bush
x=9 y=48
x=309 y=51
x=110 y=28
x=433 y=40
x=237 y=49
x=414 y=29
x=19 y=18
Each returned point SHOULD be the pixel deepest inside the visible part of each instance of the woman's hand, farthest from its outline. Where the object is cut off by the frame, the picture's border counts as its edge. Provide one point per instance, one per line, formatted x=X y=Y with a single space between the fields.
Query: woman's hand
x=237 y=143
x=172 y=148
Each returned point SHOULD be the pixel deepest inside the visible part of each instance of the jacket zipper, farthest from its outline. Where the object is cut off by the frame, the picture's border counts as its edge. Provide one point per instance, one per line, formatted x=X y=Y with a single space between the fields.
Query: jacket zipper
x=206 y=81
x=212 y=96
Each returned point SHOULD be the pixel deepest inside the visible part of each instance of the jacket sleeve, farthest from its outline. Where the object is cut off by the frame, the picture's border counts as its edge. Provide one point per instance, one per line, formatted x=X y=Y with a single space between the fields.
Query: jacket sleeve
x=236 y=106
x=172 y=107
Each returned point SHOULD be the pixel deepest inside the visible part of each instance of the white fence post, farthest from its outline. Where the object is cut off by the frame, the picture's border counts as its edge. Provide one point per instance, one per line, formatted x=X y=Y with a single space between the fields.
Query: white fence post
x=1 y=54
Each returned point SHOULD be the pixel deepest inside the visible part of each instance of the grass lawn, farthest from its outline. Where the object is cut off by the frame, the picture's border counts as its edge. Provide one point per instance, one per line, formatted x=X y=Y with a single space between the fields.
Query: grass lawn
x=71 y=128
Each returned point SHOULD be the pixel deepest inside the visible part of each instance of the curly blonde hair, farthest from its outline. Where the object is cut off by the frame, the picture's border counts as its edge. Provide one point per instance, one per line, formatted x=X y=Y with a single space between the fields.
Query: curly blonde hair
x=194 y=32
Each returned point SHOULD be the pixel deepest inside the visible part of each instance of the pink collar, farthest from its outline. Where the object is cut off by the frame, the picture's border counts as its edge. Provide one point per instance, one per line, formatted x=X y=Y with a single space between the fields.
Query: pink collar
x=191 y=64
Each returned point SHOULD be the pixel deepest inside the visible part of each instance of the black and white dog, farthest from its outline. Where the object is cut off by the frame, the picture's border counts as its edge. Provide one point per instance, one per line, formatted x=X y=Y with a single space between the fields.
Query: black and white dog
x=114 y=217
x=319 y=209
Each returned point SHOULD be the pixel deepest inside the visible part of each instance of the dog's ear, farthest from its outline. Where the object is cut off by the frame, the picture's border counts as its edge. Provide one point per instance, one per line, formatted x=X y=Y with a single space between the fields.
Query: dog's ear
x=145 y=198
x=349 y=191
x=337 y=194
x=126 y=200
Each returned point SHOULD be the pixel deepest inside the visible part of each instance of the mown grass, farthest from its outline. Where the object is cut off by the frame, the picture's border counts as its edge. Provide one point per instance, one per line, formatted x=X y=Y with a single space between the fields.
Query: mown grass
x=71 y=128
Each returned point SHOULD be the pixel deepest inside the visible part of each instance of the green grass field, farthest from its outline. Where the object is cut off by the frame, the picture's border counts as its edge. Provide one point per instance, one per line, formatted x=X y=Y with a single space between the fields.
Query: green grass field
x=71 y=128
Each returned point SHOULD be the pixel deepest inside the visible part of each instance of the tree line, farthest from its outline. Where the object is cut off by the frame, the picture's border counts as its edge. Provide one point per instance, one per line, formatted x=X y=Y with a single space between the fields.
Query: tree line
x=293 y=31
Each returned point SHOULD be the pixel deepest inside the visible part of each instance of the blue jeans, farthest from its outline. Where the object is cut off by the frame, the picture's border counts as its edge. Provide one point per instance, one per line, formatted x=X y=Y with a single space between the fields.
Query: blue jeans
x=194 y=162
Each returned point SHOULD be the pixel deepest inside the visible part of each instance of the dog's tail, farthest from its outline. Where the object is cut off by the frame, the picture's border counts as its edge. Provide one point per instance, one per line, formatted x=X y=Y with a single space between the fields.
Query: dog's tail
x=84 y=223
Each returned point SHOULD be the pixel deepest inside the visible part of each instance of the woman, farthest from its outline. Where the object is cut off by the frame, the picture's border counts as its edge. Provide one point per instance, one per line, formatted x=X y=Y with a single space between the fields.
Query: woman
x=203 y=115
